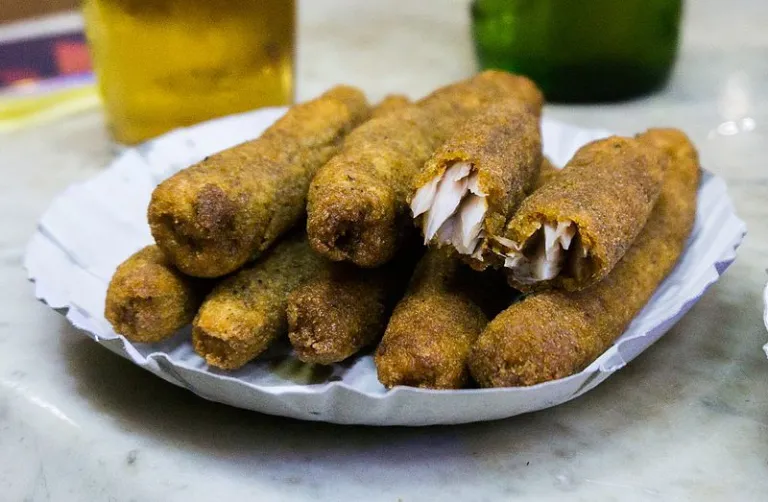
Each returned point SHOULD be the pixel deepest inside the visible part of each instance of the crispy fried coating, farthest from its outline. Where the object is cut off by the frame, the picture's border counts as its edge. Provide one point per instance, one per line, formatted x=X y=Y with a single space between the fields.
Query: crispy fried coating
x=246 y=312
x=453 y=104
x=346 y=308
x=148 y=300
x=333 y=316
x=476 y=180
x=390 y=103
x=597 y=205
x=357 y=204
x=430 y=334
x=215 y=216
x=547 y=173
x=556 y=333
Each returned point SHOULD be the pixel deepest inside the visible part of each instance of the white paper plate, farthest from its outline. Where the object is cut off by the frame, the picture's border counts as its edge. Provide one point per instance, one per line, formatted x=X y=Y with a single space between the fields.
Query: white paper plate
x=93 y=226
x=765 y=315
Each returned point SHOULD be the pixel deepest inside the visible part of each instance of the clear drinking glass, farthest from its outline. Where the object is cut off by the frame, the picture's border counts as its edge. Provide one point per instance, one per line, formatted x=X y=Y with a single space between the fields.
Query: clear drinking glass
x=163 y=64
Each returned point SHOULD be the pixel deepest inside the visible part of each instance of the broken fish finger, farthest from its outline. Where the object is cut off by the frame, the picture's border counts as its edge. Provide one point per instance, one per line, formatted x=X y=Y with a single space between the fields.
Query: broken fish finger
x=476 y=180
x=572 y=232
x=357 y=207
x=431 y=332
x=556 y=333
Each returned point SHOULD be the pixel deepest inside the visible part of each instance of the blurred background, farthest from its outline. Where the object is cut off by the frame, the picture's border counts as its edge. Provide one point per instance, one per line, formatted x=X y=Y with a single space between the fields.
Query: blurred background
x=163 y=64
x=40 y=39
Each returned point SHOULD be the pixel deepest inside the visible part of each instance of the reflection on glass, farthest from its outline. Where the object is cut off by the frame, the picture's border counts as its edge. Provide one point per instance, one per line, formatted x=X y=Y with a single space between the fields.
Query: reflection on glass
x=734 y=105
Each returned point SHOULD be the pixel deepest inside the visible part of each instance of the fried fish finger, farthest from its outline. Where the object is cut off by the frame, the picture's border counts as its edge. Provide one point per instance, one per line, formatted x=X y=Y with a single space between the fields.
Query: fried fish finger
x=556 y=333
x=357 y=207
x=148 y=300
x=354 y=204
x=476 y=180
x=344 y=309
x=573 y=231
x=215 y=216
x=431 y=332
x=246 y=312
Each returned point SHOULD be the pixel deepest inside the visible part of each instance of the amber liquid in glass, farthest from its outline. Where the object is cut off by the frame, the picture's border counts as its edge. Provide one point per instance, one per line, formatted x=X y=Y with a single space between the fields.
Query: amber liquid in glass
x=163 y=64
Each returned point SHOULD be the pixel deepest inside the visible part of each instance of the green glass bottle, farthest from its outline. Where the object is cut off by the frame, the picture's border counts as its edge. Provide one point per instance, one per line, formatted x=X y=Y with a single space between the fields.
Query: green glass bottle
x=580 y=50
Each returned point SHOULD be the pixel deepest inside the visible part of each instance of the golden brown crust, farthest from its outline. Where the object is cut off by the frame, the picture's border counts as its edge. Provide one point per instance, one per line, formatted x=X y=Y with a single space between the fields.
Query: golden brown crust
x=555 y=334
x=216 y=215
x=390 y=103
x=357 y=205
x=148 y=300
x=547 y=173
x=332 y=317
x=246 y=312
x=465 y=98
x=608 y=190
x=344 y=309
x=503 y=145
x=431 y=332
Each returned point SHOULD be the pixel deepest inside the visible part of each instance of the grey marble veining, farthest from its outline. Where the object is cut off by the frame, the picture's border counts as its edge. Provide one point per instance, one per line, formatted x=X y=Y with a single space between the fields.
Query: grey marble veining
x=687 y=420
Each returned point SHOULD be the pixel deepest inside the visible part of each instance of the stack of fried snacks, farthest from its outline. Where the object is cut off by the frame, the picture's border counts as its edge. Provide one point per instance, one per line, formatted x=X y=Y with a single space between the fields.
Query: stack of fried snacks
x=357 y=204
x=148 y=300
x=557 y=333
x=476 y=180
x=245 y=313
x=215 y=216
x=589 y=243
x=573 y=231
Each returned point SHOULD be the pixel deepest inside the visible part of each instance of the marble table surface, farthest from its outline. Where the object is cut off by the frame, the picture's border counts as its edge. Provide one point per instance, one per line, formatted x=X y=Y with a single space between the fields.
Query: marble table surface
x=687 y=420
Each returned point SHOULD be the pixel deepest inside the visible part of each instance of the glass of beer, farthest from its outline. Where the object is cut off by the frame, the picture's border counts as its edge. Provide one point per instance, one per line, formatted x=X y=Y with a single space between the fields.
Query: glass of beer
x=163 y=64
